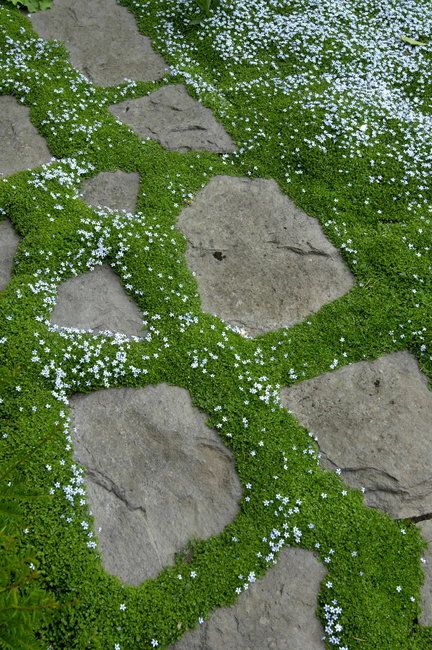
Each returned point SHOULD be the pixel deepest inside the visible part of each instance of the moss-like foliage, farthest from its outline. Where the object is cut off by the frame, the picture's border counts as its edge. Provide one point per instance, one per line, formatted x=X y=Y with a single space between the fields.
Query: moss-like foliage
x=370 y=596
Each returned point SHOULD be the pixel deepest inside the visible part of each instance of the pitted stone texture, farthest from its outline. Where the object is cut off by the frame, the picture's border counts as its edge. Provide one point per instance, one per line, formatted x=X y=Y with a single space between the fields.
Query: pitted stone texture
x=174 y=119
x=115 y=190
x=261 y=263
x=374 y=420
x=8 y=244
x=426 y=596
x=277 y=612
x=21 y=146
x=103 y=40
x=157 y=475
x=96 y=300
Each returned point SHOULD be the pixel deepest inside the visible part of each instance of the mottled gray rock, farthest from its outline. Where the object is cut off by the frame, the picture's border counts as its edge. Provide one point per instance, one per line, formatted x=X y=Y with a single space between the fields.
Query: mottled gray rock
x=157 y=475
x=426 y=596
x=374 y=420
x=115 y=190
x=21 y=146
x=8 y=244
x=277 y=612
x=174 y=119
x=261 y=263
x=103 y=40
x=96 y=300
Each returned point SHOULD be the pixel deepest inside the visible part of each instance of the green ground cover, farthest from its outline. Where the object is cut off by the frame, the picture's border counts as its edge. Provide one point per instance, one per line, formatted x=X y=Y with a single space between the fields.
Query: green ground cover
x=369 y=190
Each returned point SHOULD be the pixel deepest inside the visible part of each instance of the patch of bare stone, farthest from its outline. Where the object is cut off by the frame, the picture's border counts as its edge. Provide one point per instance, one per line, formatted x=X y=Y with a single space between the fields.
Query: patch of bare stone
x=115 y=190
x=8 y=244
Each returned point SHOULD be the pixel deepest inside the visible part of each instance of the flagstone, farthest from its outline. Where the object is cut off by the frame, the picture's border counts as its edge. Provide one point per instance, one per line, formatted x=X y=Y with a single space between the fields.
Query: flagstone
x=373 y=419
x=96 y=300
x=103 y=40
x=116 y=190
x=21 y=145
x=8 y=244
x=261 y=262
x=176 y=120
x=277 y=612
x=157 y=476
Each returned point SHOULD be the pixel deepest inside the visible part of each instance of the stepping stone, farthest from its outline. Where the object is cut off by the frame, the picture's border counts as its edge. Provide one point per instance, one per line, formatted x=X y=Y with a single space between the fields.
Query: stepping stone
x=373 y=419
x=21 y=145
x=103 y=40
x=261 y=263
x=96 y=300
x=8 y=244
x=278 y=611
x=426 y=596
x=157 y=476
x=115 y=190
x=174 y=119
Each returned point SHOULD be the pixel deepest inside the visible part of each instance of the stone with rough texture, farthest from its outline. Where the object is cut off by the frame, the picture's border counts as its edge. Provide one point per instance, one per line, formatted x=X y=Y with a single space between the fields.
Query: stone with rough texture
x=174 y=119
x=157 y=475
x=373 y=419
x=115 y=190
x=96 y=300
x=261 y=263
x=426 y=596
x=277 y=612
x=8 y=244
x=21 y=146
x=103 y=40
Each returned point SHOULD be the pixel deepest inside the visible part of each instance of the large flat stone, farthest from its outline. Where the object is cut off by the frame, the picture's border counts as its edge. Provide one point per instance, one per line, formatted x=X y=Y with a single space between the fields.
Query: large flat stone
x=97 y=301
x=277 y=612
x=261 y=263
x=374 y=420
x=426 y=596
x=103 y=40
x=157 y=475
x=21 y=146
x=115 y=190
x=174 y=119
x=8 y=244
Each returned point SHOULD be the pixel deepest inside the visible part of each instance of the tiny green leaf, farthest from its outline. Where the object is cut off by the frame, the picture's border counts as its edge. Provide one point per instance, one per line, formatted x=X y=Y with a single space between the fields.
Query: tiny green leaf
x=411 y=41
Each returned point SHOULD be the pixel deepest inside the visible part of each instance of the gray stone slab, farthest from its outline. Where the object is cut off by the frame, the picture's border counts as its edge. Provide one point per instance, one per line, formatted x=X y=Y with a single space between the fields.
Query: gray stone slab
x=426 y=596
x=21 y=146
x=8 y=244
x=97 y=301
x=374 y=421
x=103 y=40
x=157 y=475
x=176 y=120
x=261 y=263
x=277 y=612
x=116 y=190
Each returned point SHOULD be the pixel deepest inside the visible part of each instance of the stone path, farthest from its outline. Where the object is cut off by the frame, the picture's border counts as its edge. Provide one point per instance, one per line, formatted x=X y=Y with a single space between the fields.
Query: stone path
x=8 y=245
x=114 y=190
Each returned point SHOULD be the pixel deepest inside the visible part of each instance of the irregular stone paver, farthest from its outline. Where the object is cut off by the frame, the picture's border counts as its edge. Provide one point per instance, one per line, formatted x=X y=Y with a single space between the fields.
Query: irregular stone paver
x=261 y=263
x=21 y=146
x=115 y=190
x=103 y=40
x=426 y=600
x=174 y=119
x=157 y=475
x=96 y=300
x=8 y=244
x=374 y=420
x=277 y=612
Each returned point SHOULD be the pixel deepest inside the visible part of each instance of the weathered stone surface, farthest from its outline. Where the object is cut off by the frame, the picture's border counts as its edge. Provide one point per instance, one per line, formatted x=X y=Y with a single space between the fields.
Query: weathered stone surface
x=277 y=612
x=426 y=597
x=115 y=190
x=8 y=244
x=374 y=420
x=21 y=145
x=174 y=119
x=261 y=263
x=103 y=40
x=157 y=475
x=96 y=300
